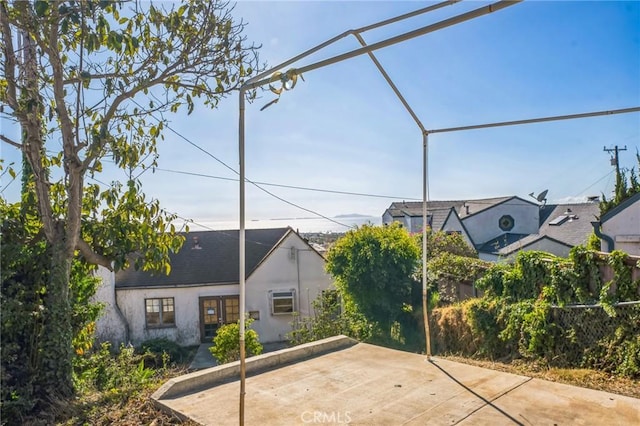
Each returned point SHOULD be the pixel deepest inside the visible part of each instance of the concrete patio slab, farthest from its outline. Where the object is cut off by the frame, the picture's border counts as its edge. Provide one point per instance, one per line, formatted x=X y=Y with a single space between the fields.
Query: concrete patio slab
x=363 y=384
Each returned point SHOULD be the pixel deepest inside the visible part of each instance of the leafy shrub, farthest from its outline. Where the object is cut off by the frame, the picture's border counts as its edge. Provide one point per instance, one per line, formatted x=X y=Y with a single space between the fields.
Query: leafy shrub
x=626 y=288
x=328 y=320
x=159 y=352
x=535 y=272
x=619 y=351
x=539 y=332
x=587 y=283
x=121 y=374
x=513 y=316
x=485 y=323
x=492 y=283
x=516 y=316
x=226 y=346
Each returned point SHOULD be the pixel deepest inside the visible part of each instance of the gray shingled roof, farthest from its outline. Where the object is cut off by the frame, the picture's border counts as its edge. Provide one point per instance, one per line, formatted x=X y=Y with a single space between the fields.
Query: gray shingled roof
x=572 y=232
x=438 y=218
x=414 y=208
x=215 y=262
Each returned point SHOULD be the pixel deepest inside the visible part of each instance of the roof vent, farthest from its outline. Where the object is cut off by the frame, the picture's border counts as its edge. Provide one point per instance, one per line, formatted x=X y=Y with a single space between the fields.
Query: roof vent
x=566 y=216
x=196 y=244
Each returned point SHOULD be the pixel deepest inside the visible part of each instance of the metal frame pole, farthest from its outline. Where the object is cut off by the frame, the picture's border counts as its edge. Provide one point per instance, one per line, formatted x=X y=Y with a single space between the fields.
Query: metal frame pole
x=485 y=10
x=321 y=46
x=242 y=257
x=536 y=120
x=262 y=79
x=425 y=198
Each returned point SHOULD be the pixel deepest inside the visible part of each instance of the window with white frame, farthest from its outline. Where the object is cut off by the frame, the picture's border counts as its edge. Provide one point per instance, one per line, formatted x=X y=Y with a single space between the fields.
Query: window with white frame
x=283 y=302
x=160 y=312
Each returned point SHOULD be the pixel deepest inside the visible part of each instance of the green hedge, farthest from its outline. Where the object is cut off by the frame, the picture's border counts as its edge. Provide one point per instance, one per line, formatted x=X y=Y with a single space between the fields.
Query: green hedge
x=524 y=314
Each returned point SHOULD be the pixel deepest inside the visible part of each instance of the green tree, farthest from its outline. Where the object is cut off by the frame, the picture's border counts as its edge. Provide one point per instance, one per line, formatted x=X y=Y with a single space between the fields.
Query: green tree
x=226 y=344
x=439 y=242
x=623 y=189
x=374 y=269
x=85 y=81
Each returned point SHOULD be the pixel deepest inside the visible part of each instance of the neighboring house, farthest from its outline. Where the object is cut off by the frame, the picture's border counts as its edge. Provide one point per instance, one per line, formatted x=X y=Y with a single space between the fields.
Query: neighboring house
x=619 y=228
x=562 y=227
x=284 y=275
x=500 y=227
x=441 y=216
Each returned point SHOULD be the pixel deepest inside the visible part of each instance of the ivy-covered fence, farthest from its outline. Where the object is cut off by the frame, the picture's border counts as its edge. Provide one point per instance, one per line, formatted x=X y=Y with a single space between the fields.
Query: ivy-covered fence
x=529 y=310
x=592 y=337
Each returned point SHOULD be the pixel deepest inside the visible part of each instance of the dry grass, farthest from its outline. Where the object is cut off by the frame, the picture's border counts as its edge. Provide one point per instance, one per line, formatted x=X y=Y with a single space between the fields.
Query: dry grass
x=102 y=409
x=452 y=329
x=127 y=406
x=591 y=379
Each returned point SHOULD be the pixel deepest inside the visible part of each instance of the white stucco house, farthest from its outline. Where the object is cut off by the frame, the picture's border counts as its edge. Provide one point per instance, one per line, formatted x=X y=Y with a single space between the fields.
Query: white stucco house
x=500 y=227
x=284 y=275
x=619 y=228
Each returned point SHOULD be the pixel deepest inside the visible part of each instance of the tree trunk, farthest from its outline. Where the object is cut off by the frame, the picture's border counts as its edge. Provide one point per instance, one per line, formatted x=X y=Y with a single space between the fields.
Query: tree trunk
x=56 y=345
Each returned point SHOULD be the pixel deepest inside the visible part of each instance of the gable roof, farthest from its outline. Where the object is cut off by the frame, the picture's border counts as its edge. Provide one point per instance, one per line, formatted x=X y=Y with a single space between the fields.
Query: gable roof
x=620 y=207
x=474 y=207
x=216 y=261
x=438 y=218
x=464 y=208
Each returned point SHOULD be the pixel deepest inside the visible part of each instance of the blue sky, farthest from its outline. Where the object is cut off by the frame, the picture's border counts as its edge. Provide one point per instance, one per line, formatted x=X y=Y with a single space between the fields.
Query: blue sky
x=343 y=129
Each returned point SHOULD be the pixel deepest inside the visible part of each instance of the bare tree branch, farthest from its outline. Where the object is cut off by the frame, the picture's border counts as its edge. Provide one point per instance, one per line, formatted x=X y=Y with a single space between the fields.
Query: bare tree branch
x=72 y=163
x=10 y=141
x=91 y=256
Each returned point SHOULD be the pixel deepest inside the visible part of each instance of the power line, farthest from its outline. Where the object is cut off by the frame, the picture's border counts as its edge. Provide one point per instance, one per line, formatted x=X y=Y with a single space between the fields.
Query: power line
x=596 y=182
x=302 y=188
x=246 y=179
x=13 y=178
x=201 y=225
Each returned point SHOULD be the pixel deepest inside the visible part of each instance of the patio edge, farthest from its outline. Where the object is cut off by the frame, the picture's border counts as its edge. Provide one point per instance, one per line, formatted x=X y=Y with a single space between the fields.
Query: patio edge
x=203 y=379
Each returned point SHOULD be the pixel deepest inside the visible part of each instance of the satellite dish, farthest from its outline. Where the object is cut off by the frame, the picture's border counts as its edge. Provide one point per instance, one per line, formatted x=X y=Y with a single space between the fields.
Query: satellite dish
x=542 y=196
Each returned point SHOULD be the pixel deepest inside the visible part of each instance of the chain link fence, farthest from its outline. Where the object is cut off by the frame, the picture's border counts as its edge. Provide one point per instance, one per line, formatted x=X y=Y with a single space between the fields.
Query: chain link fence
x=586 y=328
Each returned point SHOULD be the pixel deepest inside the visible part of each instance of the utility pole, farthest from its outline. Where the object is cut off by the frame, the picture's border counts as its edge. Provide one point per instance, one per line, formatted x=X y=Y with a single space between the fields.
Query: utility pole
x=614 y=158
x=620 y=189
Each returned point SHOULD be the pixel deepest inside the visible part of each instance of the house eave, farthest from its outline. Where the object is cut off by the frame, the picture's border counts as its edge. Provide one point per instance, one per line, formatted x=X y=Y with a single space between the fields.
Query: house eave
x=164 y=286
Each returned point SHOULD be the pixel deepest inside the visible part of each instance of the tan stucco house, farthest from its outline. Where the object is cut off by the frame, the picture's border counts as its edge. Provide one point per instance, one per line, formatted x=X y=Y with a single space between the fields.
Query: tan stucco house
x=284 y=275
